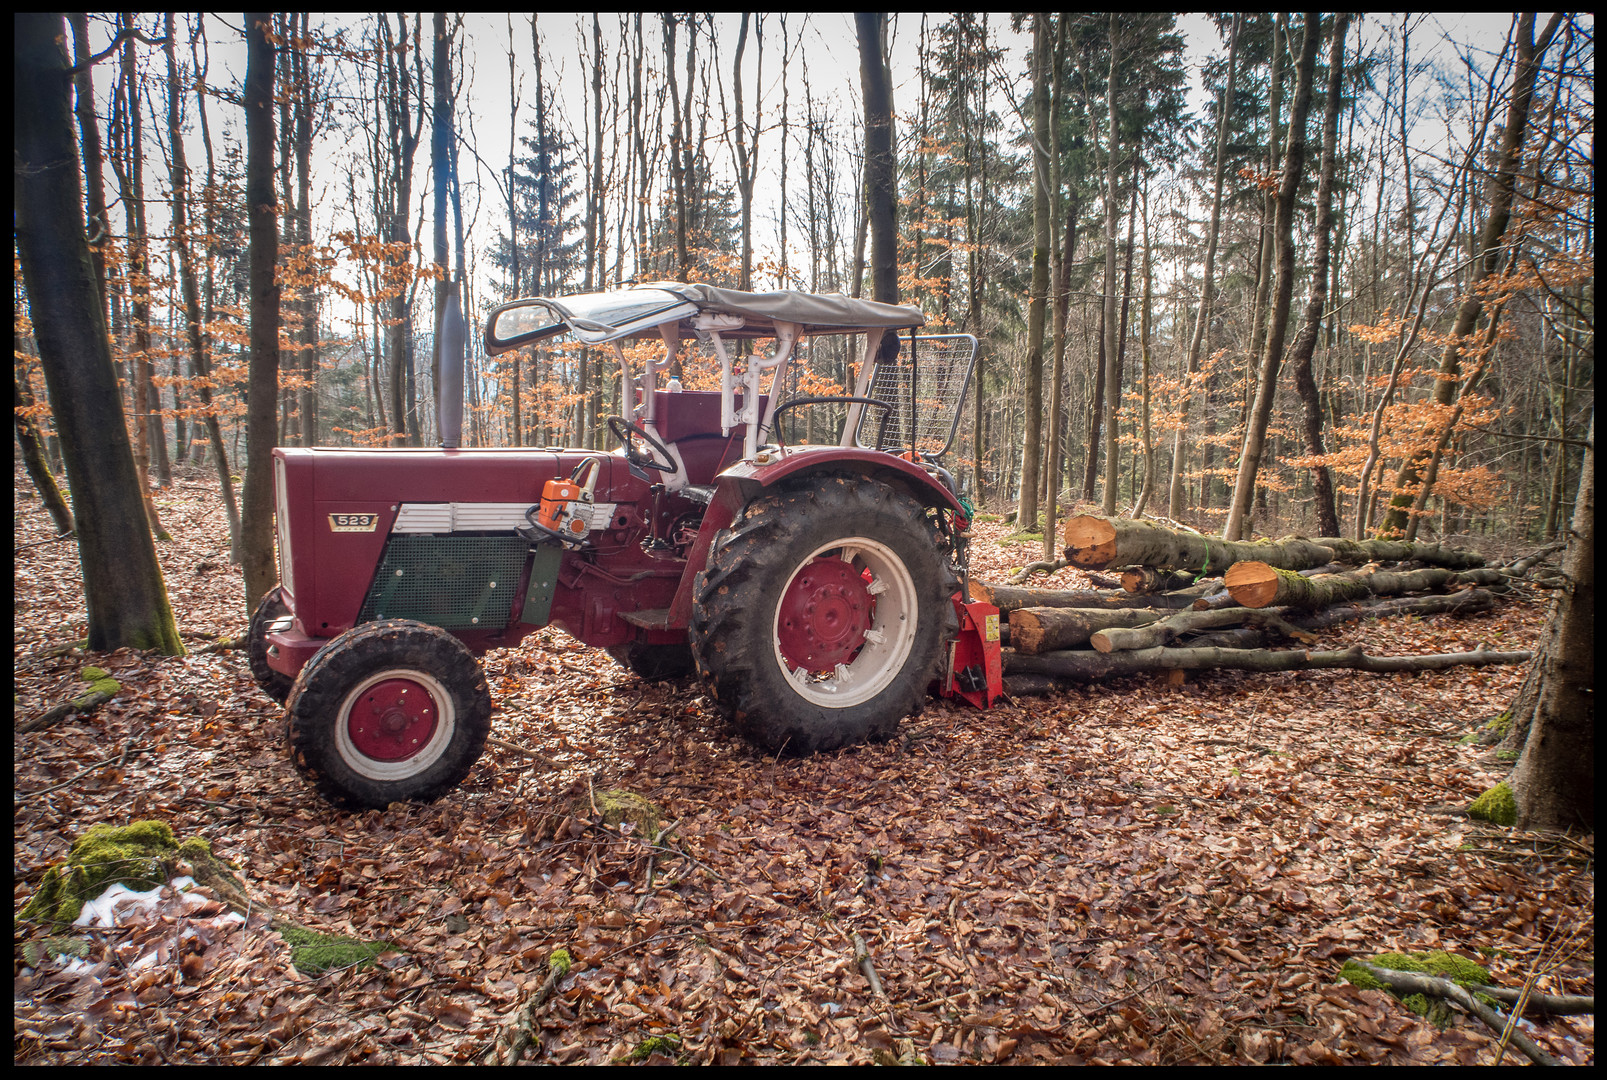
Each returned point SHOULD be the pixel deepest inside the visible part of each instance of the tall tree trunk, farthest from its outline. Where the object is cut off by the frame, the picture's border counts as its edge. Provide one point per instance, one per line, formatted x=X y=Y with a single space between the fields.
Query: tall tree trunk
x=33 y=452
x=881 y=164
x=1145 y=438
x=199 y=366
x=1038 y=307
x=1267 y=381
x=89 y=137
x=1554 y=718
x=1503 y=186
x=124 y=594
x=1306 y=343
x=1113 y=383
x=1174 y=496
x=262 y=394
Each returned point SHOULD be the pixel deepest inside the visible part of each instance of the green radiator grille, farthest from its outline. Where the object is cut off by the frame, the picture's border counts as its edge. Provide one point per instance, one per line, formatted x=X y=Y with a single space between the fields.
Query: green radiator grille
x=454 y=582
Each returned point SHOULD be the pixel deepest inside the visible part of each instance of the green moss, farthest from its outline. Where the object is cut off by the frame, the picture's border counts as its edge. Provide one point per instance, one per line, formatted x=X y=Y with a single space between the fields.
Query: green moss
x=620 y=806
x=1496 y=806
x=1500 y=724
x=99 y=683
x=1439 y=964
x=314 y=953
x=560 y=961
x=140 y=855
x=669 y=1045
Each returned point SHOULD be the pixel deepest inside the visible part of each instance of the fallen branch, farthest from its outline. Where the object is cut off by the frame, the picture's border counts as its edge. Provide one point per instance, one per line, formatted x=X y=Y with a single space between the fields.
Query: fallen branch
x=1091 y=666
x=1403 y=982
x=57 y=713
x=1035 y=630
x=1168 y=630
x=519 y=1033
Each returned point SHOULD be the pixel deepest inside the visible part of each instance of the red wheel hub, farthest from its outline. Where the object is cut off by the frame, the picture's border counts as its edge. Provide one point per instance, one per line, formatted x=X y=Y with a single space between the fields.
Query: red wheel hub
x=824 y=615
x=393 y=720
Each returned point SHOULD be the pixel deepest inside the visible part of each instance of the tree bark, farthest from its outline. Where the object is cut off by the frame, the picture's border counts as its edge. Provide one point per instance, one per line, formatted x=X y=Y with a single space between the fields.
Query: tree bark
x=33 y=456
x=1257 y=585
x=1008 y=598
x=1555 y=778
x=1094 y=543
x=123 y=589
x=1094 y=666
x=190 y=289
x=1113 y=382
x=1165 y=631
x=262 y=394
x=1174 y=499
x=1503 y=188
x=1035 y=630
x=1272 y=356
x=1306 y=343
x=881 y=164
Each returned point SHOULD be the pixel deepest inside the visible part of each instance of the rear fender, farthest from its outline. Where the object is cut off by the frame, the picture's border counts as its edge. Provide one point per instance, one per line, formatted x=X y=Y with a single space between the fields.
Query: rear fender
x=747 y=480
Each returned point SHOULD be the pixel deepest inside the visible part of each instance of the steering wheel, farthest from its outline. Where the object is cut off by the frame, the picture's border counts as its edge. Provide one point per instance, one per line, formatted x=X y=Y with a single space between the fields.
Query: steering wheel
x=623 y=431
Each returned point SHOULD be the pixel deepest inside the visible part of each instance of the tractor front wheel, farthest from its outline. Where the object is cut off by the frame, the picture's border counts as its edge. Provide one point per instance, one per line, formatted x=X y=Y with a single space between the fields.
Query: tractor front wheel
x=276 y=684
x=821 y=617
x=389 y=711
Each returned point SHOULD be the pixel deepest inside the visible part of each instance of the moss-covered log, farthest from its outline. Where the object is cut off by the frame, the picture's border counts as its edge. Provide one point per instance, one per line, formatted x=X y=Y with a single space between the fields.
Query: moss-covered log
x=1259 y=584
x=1080 y=666
x=1466 y=602
x=1044 y=629
x=1094 y=543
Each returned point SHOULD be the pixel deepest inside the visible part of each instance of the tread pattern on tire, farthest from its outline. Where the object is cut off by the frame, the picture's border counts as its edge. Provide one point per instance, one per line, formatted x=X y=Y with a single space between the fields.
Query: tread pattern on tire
x=319 y=690
x=276 y=684
x=734 y=610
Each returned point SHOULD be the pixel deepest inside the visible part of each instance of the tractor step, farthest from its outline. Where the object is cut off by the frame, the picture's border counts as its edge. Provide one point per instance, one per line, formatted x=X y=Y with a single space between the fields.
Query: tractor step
x=651 y=619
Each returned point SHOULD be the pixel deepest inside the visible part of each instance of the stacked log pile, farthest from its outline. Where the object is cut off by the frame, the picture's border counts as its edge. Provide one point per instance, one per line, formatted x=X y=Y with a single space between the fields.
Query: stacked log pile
x=1193 y=602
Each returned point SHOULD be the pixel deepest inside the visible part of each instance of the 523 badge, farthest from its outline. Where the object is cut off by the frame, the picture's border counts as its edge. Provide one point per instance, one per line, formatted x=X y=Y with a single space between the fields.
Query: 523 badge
x=348 y=523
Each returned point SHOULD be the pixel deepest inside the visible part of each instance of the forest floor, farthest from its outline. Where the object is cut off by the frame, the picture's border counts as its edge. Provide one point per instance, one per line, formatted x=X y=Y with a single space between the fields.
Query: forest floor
x=1126 y=872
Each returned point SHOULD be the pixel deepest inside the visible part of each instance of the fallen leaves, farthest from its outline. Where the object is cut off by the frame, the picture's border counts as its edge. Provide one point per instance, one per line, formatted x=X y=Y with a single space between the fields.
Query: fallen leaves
x=1124 y=872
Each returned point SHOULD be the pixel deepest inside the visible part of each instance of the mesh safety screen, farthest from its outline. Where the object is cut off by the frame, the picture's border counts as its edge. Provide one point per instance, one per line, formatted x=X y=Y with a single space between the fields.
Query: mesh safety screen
x=454 y=582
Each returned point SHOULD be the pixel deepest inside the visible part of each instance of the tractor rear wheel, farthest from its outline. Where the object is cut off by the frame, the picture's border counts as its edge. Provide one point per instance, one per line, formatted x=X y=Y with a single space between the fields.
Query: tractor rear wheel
x=276 y=684
x=389 y=711
x=820 y=619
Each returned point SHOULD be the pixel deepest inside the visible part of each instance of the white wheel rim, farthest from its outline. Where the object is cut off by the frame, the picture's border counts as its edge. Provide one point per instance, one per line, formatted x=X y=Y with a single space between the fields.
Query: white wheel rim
x=888 y=642
x=376 y=769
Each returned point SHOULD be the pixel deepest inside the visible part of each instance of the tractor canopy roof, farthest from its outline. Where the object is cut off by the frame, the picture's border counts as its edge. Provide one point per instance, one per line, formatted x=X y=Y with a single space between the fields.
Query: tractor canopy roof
x=596 y=318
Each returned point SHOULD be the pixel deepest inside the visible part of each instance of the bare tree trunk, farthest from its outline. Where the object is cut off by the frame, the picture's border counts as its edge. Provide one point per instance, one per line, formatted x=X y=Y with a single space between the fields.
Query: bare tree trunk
x=1174 y=496
x=1037 y=310
x=262 y=396
x=1113 y=388
x=881 y=165
x=123 y=590
x=1306 y=343
x=199 y=367
x=1503 y=187
x=1555 y=778
x=1267 y=382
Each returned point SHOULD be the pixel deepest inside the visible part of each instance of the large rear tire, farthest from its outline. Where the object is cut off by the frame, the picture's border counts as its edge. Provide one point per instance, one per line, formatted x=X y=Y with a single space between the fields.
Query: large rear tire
x=820 y=619
x=389 y=711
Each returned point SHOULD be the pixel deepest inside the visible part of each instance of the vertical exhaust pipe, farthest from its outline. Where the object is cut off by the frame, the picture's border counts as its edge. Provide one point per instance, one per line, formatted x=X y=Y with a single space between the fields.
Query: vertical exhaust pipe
x=453 y=343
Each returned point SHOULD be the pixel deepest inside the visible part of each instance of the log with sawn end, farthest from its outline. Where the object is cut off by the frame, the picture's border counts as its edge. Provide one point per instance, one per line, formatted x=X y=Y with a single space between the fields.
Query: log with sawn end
x=1258 y=585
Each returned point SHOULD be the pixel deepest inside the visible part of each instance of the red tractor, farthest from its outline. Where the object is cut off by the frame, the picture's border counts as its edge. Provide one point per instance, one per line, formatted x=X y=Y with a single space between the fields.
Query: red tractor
x=813 y=588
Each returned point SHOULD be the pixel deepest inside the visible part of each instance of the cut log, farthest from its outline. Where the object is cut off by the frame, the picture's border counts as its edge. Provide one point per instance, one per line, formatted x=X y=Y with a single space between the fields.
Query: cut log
x=1094 y=543
x=1466 y=602
x=1044 y=629
x=1008 y=598
x=1165 y=631
x=1257 y=584
x=1085 y=666
x=1147 y=579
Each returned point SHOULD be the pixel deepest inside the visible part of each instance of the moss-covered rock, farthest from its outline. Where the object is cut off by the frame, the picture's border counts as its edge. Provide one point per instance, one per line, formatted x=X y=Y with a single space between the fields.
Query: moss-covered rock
x=100 y=682
x=618 y=806
x=1496 y=806
x=314 y=953
x=140 y=855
